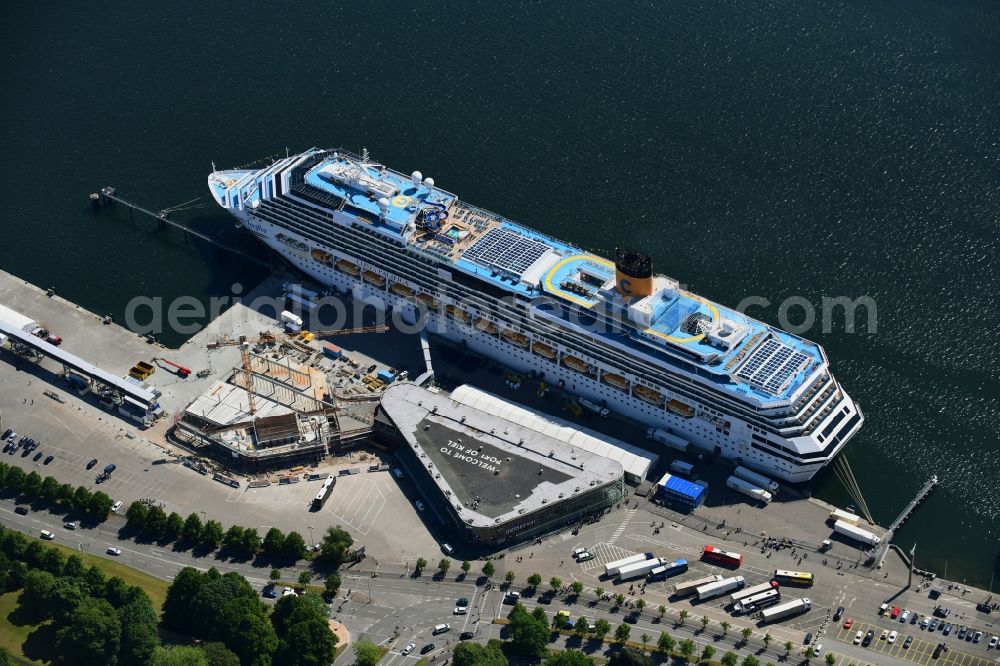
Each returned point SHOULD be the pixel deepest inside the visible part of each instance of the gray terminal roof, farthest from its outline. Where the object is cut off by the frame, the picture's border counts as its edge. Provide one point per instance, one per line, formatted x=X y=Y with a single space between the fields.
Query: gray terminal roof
x=490 y=469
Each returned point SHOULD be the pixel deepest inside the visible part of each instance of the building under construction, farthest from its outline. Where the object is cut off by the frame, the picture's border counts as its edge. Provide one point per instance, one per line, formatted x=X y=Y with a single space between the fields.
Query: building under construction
x=273 y=409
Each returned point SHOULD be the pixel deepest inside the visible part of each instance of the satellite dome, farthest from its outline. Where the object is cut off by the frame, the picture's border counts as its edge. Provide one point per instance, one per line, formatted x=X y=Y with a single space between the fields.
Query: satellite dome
x=429 y=182
x=416 y=176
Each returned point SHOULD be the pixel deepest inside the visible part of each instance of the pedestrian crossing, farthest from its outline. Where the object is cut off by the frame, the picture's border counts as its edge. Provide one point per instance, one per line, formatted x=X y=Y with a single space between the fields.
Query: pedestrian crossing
x=624 y=525
x=604 y=553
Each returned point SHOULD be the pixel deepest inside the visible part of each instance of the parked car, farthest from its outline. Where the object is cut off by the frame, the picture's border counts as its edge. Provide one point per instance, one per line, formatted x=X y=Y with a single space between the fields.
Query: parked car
x=92 y=462
x=10 y=435
x=54 y=340
x=977 y=637
x=848 y=623
x=885 y=635
x=904 y=616
x=858 y=636
x=947 y=629
x=7 y=433
x=895 y=613
x=70 y=525
x=48 y=459
x=270 y=592
x=868 y=638
x=941 y=611
x=941 y=647
x=117 y=505
x=907 y=642
x=839 y=613
x=933 y=625
x=113 y=550
x=585 y=556
x=461 y=606
x=994 y=642
x=48 y=536
x=892 y=637
x=427 y=648
x=924 y=622
x=37 y=456
x=408 y=649
x=466 y=635
x=961 y=632
x=578 y=551
x=21 y=510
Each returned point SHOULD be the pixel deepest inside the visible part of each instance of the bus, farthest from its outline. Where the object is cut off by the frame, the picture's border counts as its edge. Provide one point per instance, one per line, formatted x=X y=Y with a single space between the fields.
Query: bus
x=752 y=590
x=757 y=601
x=324 y=493
x=719 y=556
x=803 y=578
x=668 y=569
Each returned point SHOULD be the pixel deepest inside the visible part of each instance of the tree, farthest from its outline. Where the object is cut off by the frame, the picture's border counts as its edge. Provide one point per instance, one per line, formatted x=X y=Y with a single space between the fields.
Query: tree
x=74 y=567
x=99 y=507
x=179 y=655
x=577 y=588
x=49 y=489
x=767 y=640
x=687 y=647
x=444 y=565
x=581 y=627
x=601 y=628
x=420 y=565
x=250 y=543
x=750 y=660
x=233 y=538
x=810 y=653
x=705 y=621
x=65 y=494
x=509 y=577
x=725 y=627
x=81 y=498
x=64 y=596
x=831 y=659
x=529 y=633
x=15 y=478
x=275 y=574
x=33 y=483
x=569 y=658
x=474 y=654
x=274 y=543
x=665 y=643
x=174 y=526
x=707 y=653
x=211 y=534
x=53 y=561
x=180 y=597
x=630 y=657
x=136 y=515
x=366 y=653
x=247 y=632
x=304 y=637
x=192 y=528
x=294 y=547
x=622 y=632
x=640 y=603
x=662 y=610
x=599 y=592
x=683 y=615
x=534 y=580
x=332 y=584
x=139 y=632
x=555 y=583
x=467 y=567
x=304 y=578
x=645 y=638
x=156 y=522
x=619 y=599
x=729 y=658
x=745 y=632
x=335 y=545
x=218 y=654
x=488 y=569
x=92 y=634
x=788 y=647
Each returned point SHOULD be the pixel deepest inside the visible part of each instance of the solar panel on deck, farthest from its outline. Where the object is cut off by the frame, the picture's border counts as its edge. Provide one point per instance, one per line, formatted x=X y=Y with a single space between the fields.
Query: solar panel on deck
x=506 y=251
x=771 y=366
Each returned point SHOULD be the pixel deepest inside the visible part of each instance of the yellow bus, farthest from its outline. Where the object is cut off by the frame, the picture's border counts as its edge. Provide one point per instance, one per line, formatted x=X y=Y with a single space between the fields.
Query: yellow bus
x=803 y=578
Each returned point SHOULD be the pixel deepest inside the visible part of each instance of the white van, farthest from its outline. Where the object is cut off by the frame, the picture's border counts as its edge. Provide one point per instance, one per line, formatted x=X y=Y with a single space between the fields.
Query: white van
x=441 y=628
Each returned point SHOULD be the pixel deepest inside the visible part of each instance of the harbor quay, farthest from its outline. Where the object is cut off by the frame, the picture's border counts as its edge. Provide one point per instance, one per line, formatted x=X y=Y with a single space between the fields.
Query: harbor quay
x=398 y=517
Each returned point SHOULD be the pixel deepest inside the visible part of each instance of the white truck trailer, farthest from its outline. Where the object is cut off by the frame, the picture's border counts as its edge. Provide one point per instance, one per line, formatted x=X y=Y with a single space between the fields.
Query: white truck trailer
x=752 y=590
x=787 y=609
x=611 y=569
x=756 y=479
x=748 y=489
x=846 y=516
x=681 y=467
x=691 y=586
x=668 y=439
x=711 y=590
x=856 y=533
x=638 y=569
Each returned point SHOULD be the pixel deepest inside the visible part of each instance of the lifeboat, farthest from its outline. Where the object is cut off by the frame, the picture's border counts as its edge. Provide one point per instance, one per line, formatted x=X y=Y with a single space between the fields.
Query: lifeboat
x=575 y=363
x=429 y=301
x=543 y=349
x=321 y=256
x=374 y=278
x=678 y=407
x=348 y=267
x=485 y=325
x=617 y=381
x=514 y=337
x=648 y=394
x=458 y=313
x=401 y=289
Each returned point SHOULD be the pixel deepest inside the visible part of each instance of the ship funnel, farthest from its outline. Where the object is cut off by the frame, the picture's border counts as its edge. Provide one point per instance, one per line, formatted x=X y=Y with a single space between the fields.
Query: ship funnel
x=415 y=178
x=633 y=273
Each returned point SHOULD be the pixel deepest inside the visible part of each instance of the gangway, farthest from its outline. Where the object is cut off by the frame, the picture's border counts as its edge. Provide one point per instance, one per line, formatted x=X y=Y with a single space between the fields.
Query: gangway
x=903 y=515
x=271 y=338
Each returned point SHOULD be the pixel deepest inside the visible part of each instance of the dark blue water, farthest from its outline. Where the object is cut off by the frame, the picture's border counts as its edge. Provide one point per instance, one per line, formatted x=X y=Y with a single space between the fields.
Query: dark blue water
x=774 y=149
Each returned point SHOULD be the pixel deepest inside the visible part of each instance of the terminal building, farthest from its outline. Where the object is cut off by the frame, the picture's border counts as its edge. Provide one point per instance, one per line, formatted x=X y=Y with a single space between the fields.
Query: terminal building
x=497 y=479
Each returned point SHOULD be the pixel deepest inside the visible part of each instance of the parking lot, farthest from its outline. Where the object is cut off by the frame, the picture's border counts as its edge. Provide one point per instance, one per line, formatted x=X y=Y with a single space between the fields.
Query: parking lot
x=920 y=650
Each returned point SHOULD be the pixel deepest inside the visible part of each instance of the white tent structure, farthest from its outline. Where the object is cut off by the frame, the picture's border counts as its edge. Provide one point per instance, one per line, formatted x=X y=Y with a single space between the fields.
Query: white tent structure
x=636 y=461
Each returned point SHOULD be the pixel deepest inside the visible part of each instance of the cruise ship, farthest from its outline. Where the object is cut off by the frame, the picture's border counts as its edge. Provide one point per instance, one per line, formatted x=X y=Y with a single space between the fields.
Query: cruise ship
x=615 y=333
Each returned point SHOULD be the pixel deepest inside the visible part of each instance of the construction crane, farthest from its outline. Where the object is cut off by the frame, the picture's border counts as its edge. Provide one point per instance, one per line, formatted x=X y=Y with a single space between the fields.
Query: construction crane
x=248 y=381
x=306 y=336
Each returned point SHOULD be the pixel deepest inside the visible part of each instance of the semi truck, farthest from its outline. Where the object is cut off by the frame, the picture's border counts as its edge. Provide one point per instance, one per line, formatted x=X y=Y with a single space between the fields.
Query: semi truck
x=668 y=439
x=691 y=586
x=756 y=479
x=856 y=533
x=681 y=467
x=291 y=321
x=845 y=516
x=638 y=569
x=593 y=408
x=611 y=569
x=787 y=609
x=712 y=590
x=748 y=489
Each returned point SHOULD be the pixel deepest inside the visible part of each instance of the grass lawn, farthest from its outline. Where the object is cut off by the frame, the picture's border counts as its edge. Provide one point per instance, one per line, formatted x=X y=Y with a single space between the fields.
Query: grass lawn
x=13 y=636
x=154 y=587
